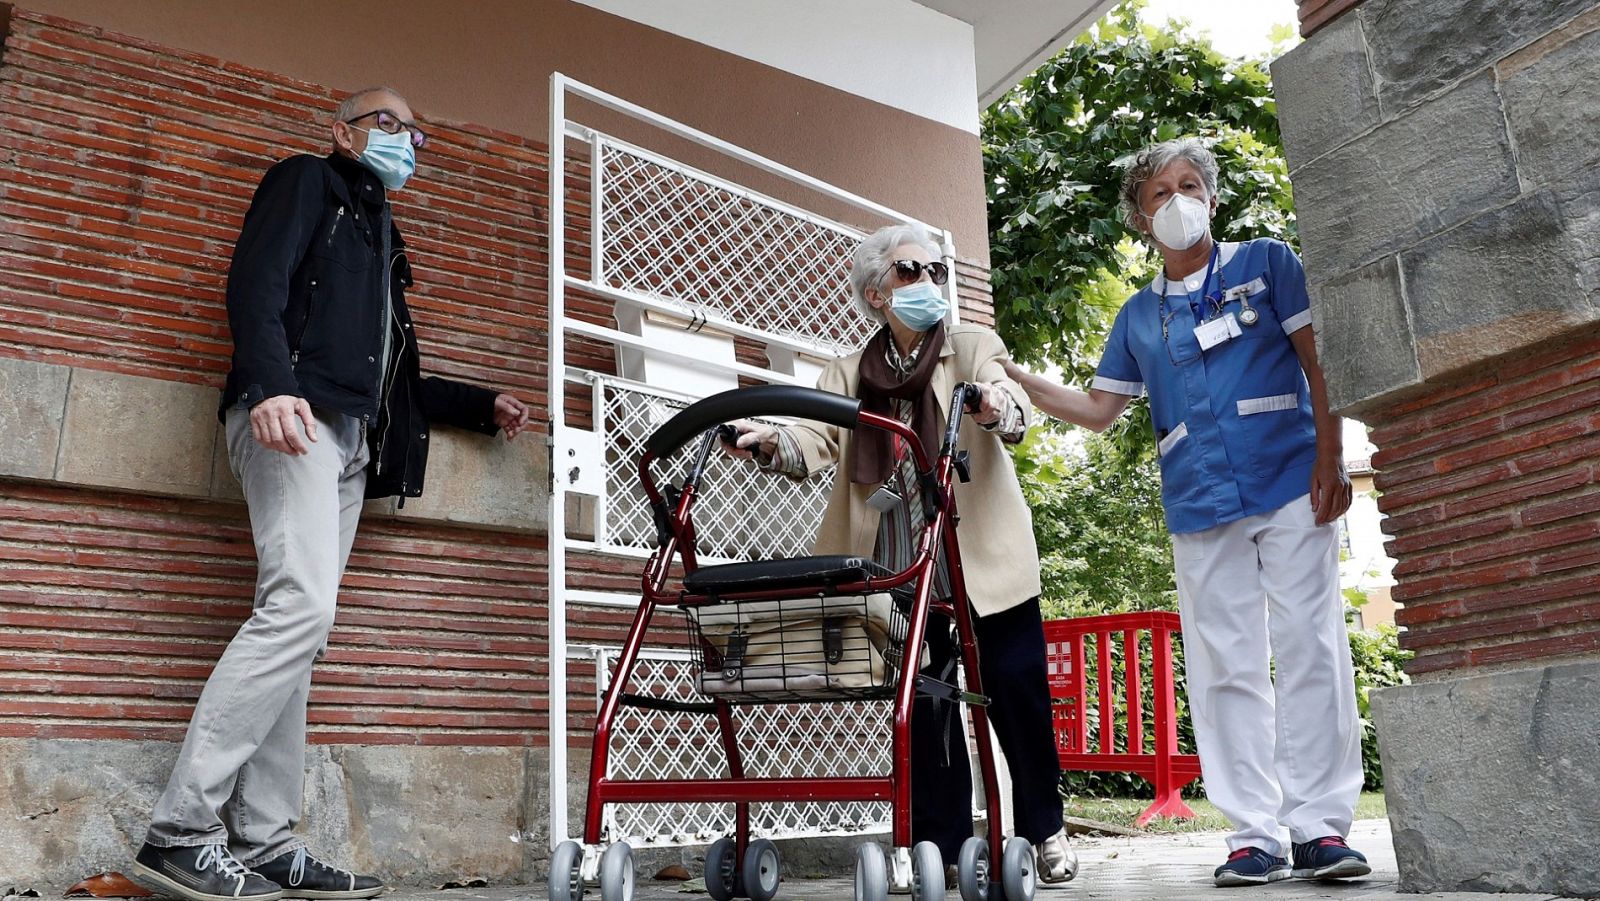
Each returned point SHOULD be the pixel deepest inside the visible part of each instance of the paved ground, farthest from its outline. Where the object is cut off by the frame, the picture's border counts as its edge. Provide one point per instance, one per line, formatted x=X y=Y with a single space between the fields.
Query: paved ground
x=1146 y=868
x=1156 y=868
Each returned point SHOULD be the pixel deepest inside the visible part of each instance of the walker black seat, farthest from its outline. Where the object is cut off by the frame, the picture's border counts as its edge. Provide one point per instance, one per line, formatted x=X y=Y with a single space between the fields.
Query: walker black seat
x=822 y=572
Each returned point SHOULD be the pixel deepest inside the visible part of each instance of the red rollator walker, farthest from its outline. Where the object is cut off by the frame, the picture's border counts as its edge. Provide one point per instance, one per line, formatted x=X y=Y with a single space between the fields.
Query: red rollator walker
x=801 y=630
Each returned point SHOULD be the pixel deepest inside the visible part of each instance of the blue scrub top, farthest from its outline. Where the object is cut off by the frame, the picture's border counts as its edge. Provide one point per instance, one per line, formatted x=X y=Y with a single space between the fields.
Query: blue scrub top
x=1233 y=423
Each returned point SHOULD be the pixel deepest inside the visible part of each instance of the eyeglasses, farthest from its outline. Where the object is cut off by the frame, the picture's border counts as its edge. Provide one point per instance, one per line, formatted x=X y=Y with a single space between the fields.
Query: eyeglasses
x=908 y=271
x=389 y=123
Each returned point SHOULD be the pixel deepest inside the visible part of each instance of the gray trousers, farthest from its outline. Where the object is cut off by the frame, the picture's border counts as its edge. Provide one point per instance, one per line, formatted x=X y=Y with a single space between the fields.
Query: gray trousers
x=240 y=777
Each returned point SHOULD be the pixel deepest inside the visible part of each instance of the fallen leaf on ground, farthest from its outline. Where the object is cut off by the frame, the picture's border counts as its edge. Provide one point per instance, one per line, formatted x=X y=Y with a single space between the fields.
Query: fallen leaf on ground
x=108 y=885
x=693 y=887
x=672 y=873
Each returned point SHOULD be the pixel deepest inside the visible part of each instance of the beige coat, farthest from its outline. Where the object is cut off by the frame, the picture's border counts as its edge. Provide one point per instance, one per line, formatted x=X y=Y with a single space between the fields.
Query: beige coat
x=998 y=554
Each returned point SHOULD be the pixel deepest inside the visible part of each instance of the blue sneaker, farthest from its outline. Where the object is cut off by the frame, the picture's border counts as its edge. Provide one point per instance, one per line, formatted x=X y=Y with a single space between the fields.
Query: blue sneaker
x=1328 y=858
x=1251 y=866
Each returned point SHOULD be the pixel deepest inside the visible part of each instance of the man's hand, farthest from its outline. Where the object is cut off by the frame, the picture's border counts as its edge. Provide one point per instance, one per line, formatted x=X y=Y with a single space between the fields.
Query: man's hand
x=274 y=426
x=753 y=436
x=1330 y=488
x=992 y=405
x=510 y=414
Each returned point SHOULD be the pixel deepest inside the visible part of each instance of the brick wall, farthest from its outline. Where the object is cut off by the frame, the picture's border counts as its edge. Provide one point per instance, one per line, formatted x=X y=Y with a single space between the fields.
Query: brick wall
x=128 y=167
x=114 y=607
x=1314 y=14
x=125 y=169
x=1492 y=489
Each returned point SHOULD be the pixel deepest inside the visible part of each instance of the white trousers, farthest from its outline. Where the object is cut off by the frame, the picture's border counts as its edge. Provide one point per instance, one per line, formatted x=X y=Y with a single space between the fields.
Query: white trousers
x=1260 y=595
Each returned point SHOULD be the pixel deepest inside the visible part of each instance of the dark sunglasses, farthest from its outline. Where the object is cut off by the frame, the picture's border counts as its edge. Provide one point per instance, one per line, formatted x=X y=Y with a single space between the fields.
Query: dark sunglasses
x=389 y=123
x=911 y=270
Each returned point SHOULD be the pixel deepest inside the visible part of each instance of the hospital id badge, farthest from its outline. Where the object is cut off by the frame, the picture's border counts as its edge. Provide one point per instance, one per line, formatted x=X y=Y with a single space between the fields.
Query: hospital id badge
x=1217 y=331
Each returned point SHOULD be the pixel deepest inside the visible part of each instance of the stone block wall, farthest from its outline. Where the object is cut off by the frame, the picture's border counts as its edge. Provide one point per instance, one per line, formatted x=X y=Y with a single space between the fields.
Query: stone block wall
x=1443 y=155
x=1442 y=160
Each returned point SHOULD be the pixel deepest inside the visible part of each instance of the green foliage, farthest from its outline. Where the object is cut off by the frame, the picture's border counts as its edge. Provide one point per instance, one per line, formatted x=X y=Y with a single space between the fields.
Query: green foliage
x=1378 y=661
x=1103 y=543
x=1063 y=261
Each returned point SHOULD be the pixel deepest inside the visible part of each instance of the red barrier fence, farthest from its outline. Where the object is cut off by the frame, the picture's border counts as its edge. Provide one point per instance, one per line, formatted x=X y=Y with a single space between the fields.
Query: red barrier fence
x=1119 y=740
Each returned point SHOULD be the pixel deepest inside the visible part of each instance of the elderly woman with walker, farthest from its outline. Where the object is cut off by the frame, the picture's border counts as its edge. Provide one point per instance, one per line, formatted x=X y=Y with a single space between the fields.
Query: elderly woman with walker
x=1252 y=482
x=907 y=370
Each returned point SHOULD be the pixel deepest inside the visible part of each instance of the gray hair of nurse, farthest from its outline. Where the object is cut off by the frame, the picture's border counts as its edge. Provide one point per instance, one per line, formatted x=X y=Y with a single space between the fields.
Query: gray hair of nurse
x=871 y=262
x=1147 y=163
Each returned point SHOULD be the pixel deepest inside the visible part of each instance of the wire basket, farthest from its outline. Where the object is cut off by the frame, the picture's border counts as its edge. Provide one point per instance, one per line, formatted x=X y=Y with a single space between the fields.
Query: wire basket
x=798 y=650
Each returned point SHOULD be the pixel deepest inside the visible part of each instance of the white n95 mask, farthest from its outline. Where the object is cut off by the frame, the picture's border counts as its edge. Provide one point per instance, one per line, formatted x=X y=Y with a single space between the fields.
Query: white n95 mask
x=1181 y=222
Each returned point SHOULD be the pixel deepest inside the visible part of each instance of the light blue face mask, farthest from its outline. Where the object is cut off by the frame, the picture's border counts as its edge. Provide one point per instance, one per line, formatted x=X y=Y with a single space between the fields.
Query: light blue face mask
x=920 y=306
x=390 y=157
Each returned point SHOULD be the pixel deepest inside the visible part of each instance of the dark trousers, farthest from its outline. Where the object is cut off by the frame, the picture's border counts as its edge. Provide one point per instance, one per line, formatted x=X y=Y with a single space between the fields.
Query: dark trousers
x=1012 y=662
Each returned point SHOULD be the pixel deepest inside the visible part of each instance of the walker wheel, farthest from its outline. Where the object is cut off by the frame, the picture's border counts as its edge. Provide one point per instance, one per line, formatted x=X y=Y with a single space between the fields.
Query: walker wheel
x=763 y=870
x=927 y=872
x=1017 y=871
x=872 y=876
x=566 y=880
x=616 y=873
x=722 y=870
x=972 y=869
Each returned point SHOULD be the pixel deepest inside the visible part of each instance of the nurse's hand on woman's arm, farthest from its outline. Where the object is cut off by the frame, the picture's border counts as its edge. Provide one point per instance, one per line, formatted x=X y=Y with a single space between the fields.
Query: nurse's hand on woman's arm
x=1094 y=409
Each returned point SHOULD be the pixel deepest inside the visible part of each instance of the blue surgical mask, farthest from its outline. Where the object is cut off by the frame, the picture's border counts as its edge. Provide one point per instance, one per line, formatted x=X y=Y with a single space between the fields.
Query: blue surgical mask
x=390 y=157
x=920 y=306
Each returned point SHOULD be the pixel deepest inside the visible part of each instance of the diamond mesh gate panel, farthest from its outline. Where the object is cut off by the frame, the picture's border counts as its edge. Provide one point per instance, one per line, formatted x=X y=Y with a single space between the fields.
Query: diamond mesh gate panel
x=744 y=514
x=719 y=252
x=674 y=235
x=783 y=740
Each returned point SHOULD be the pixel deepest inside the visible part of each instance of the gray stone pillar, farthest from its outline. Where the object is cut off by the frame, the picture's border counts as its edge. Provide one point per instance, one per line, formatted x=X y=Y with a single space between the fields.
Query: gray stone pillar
x=1444 y=158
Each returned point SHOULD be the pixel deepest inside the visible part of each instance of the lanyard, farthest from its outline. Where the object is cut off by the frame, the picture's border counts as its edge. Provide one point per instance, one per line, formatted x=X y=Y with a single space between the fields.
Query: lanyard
x=1216 y=305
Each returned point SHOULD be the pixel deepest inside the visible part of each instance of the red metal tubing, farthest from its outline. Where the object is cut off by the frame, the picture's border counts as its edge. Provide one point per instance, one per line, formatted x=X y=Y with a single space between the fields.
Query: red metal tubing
x=1132 y=691
x=1107 y=685
x=601 y=752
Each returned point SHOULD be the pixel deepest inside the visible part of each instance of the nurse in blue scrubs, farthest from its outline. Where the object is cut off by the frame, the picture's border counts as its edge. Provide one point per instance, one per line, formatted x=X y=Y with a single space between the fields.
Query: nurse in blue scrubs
x=1252 y=482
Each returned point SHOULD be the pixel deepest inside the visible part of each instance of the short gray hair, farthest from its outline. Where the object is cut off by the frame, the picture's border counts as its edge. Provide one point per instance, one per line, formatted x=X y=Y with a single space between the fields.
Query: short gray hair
x=873 y=258
x=349 y=105
x=1143 y=166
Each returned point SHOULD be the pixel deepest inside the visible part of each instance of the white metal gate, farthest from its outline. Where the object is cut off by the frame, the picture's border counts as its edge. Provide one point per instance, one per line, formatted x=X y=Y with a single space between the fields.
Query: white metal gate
x=693 y=266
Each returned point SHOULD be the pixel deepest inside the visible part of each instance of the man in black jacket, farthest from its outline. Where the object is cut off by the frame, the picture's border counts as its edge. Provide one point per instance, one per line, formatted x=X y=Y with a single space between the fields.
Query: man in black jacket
x=325 y=405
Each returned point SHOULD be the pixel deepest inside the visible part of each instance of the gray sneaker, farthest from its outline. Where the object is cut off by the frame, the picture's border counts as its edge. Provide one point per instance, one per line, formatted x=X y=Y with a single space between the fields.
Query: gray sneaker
x=200 y=873
x=1058 y=863
x=304 y=876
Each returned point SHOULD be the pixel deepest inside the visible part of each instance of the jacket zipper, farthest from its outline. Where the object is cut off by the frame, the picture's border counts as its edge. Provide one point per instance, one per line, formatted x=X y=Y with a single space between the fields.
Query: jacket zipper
x=300 y=337
x=337 y=218
x=393 y=368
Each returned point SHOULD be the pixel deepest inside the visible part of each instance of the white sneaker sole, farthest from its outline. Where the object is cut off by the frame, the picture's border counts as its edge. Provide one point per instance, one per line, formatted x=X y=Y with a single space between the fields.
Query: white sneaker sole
x=1344 y=869
x=345 y=895
x=163 y=885
x=1237 y=880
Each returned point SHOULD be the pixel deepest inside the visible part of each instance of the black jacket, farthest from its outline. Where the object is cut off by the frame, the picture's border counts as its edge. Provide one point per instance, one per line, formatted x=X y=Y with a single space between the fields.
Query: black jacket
x=305 y=303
